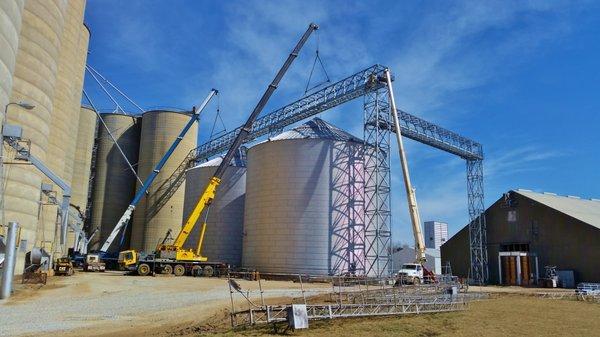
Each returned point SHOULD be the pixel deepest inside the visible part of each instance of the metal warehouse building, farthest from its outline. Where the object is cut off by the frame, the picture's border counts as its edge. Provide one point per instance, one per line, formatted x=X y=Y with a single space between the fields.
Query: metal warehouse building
x=527 y=231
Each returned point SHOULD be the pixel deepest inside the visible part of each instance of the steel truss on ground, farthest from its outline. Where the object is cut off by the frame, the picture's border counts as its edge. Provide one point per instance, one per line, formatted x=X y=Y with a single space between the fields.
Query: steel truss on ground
x=364 y=83
x=274 y=314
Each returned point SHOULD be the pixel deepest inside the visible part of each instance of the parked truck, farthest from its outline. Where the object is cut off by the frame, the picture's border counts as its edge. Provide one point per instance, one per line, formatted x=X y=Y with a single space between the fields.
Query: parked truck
x=92 y=263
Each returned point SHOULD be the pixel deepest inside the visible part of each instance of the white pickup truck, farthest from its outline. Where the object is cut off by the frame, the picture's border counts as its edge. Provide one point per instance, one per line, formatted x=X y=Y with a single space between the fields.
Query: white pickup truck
x=410 y=273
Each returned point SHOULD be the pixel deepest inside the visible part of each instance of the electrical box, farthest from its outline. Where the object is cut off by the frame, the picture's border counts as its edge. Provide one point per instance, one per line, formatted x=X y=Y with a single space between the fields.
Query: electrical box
x=47 y=187
x=12 y=131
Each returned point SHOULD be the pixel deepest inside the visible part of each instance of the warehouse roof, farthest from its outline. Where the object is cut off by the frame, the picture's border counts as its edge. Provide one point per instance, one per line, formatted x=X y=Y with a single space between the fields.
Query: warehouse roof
x=586 y=210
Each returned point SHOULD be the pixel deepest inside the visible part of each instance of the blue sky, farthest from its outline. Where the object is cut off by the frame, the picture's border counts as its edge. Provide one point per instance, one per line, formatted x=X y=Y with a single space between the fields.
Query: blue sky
x=520 y=77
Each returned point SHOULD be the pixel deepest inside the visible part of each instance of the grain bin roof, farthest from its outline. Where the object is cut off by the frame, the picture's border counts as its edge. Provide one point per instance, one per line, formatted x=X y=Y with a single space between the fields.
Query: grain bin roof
x=316 y=128
x=237 y=160
x=585 y=210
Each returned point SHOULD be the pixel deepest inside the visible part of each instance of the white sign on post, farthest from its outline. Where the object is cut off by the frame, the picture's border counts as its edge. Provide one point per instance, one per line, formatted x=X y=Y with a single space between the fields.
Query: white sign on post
x=298 y=316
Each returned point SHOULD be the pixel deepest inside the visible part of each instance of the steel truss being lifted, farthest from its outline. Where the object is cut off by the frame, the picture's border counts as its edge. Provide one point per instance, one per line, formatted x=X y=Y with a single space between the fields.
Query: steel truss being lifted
x=377 y=128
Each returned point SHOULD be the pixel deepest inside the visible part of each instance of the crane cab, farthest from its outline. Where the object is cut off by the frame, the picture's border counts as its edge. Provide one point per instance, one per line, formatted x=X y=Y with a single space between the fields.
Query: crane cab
x=127 y=258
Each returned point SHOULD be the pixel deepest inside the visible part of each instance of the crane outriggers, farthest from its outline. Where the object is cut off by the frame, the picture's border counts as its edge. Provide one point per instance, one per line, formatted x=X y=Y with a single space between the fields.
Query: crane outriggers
x=173 y=257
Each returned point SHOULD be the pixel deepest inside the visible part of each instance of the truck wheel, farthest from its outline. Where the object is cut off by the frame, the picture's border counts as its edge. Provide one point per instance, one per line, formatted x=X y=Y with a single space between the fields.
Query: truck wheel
x=179 y=270
x=196 y=271
x=208 y=271
x=416 y=280
x=167 y=269
x=143 y=269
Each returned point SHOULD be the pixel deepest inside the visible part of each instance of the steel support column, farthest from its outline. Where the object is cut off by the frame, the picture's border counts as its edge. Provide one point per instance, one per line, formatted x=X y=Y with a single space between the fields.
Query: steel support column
x=378 y=234
x=477 y=227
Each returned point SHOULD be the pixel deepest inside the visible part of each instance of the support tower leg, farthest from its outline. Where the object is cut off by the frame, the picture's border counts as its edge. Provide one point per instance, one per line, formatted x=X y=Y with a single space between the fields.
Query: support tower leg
x=378 y=234
x=477 y=227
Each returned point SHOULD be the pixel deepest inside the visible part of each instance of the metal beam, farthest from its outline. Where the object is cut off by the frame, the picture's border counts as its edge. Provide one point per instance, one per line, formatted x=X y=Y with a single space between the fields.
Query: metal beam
x=351 y=87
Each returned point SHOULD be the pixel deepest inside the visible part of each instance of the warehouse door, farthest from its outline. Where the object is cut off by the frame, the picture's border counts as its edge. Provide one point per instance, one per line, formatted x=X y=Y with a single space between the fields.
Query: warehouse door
x=517 y=268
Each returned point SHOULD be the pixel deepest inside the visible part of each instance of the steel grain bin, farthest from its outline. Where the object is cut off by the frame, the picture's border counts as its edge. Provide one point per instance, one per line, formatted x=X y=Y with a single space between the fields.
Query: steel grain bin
x=304 y=202
x=223 y=236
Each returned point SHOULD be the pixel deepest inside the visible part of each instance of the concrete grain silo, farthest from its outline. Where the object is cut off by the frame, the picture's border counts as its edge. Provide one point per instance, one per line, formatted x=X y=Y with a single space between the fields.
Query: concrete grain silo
x=67 y=101
x=304 y=208
x=34 y=81
x=114 y=183
x=82 y=160
x=162 y=208
x=10 y=15
x=223 y=236
x=67 y=96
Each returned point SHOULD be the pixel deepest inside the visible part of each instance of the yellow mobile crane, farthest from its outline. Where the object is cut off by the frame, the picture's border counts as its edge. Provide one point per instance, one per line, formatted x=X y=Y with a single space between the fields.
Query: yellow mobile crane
x=173 y=257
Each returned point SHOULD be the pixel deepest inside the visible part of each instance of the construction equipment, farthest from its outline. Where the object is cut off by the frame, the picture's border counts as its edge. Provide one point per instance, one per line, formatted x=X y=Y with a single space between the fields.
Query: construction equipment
x=63 y=266
x=92 y=263
x=414 y=273
x=37 y=263
x=173 y=256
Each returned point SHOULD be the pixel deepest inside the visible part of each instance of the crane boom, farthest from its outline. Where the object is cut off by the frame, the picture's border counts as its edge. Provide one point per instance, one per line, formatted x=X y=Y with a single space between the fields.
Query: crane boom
x=410 y=191
x=124 y=220
x=209 y=193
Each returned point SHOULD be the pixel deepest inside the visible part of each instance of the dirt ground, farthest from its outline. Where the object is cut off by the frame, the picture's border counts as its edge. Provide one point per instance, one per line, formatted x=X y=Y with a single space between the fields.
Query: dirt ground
x=91 y=304
x=504 y=315
x=111 y=304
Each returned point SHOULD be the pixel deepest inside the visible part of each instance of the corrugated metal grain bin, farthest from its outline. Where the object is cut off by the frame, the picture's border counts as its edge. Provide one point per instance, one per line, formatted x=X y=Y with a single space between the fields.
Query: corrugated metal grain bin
x=162 y=208
x=223 y=236
x=114 y=183
x=304 y=202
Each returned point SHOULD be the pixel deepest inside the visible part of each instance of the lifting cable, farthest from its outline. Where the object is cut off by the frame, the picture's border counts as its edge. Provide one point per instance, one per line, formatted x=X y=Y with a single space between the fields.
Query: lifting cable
x=93 y=71
x=217 y=116
x=87 y=97
x=322 y=66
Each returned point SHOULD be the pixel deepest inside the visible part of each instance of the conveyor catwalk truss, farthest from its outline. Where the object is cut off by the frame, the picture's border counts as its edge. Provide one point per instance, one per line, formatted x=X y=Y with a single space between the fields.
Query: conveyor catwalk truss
x=377 y=126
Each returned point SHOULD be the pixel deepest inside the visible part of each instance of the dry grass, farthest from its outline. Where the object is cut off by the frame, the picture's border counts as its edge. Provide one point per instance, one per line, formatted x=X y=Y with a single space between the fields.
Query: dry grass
x=505 y=315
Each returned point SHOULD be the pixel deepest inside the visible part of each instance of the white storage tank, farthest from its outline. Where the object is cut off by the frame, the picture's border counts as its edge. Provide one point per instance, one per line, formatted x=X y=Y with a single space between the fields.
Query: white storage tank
x=223 y=236
x=304 y=208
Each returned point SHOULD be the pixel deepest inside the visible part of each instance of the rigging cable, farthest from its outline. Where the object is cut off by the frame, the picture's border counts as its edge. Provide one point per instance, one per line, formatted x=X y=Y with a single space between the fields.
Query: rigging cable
x=317 y=59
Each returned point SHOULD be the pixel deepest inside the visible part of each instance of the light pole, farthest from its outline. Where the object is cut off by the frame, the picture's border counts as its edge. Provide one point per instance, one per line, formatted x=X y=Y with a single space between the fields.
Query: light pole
x=24 y=105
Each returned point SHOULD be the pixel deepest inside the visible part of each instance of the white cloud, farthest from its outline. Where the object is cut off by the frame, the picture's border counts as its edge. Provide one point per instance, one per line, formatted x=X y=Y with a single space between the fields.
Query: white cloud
x=470 y=44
